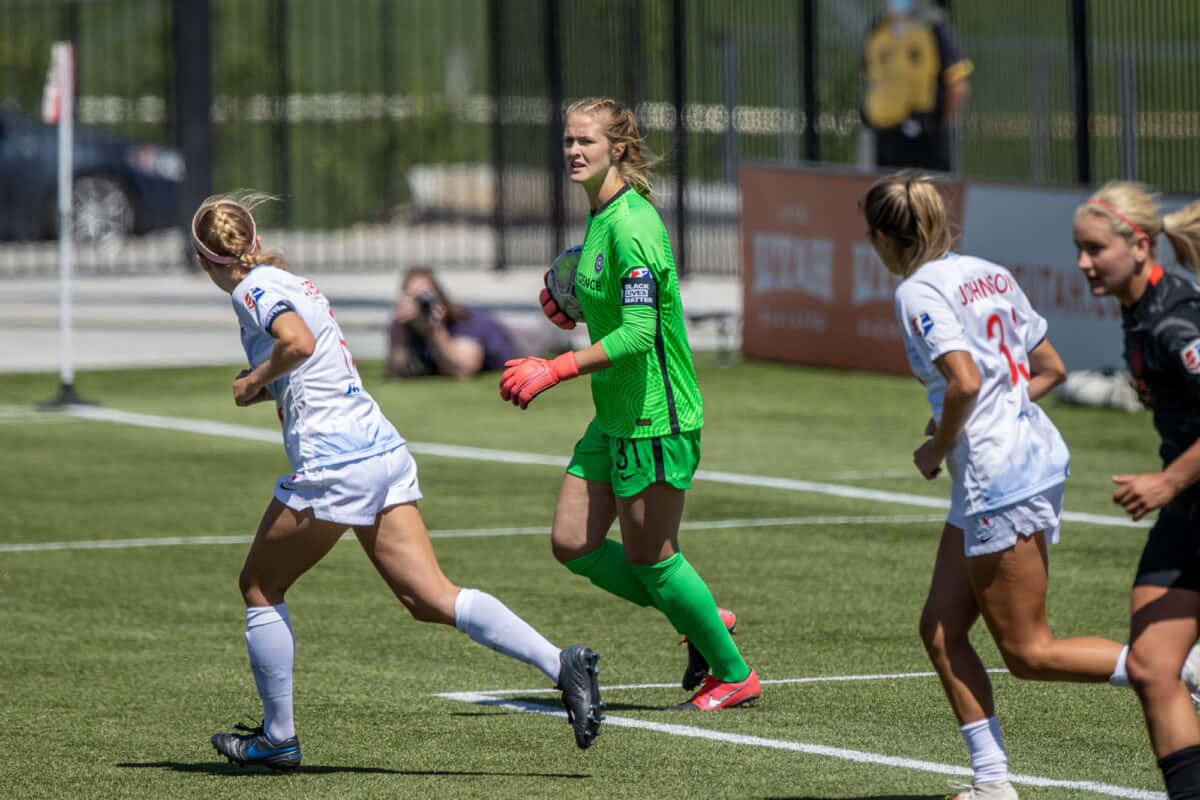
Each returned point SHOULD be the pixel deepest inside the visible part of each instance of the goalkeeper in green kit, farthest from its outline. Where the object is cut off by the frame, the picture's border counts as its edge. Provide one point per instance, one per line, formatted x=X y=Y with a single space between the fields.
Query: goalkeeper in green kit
x=638 y=455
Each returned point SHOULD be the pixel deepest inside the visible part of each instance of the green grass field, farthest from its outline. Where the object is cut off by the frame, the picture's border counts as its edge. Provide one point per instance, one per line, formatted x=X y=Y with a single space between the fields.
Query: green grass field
x=119 y=662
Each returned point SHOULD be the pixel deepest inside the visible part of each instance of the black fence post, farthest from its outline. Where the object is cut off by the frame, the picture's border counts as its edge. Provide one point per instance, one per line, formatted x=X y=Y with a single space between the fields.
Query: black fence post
x=554 y=76
x=635 y=69
x=496 y=65
x=808 y=49
x=193 y=102
x=1083 y=91
x=281 y=130
x=681 y=154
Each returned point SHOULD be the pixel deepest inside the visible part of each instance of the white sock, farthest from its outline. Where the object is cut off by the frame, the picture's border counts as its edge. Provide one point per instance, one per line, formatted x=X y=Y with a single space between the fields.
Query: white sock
x=488 y=621
x=272 y=655
x=1120 y=677
x=988 y=759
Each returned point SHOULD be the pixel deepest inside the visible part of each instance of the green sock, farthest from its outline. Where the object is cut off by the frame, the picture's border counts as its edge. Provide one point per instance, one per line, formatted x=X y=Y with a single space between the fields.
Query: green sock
x=680 y=593
x=607 y=567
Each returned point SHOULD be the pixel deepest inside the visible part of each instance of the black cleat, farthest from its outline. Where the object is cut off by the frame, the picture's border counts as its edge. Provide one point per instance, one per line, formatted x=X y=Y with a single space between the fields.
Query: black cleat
x=581 y=693
x=254 y=747
x=697 y=667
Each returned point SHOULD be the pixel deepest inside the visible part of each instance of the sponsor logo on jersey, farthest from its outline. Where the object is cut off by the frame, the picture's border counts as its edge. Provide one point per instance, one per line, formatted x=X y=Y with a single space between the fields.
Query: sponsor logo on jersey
x=352 y=389
x=922 y=324
x=598 y=265
x=1191 y=356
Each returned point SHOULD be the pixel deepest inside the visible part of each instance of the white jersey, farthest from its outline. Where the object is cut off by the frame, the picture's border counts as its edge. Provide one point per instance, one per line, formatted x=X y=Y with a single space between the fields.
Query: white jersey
x=328 y=418
x=1008 y=449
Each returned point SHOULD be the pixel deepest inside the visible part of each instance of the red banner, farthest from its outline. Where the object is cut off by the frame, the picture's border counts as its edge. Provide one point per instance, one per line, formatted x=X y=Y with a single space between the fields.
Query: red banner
x=814 y=291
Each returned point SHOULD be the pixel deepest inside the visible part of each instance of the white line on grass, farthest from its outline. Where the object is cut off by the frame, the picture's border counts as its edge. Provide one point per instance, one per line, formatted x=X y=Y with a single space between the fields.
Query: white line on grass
x=489 y=699
x=772 y=681
x=509 y=457
x=721 y=524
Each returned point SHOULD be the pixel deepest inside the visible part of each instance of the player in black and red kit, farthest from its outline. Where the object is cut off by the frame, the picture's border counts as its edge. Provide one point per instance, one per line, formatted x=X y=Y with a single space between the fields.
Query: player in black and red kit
x=1116 y=232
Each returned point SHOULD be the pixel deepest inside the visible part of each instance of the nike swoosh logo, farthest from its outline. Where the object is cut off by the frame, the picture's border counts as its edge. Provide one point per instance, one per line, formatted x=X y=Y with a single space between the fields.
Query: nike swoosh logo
x=287 y=487
x=713 y=701
x=254 y=752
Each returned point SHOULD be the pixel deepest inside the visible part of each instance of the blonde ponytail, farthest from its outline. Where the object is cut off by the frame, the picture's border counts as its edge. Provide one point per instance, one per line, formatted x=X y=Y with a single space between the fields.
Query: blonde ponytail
x=1182 y=229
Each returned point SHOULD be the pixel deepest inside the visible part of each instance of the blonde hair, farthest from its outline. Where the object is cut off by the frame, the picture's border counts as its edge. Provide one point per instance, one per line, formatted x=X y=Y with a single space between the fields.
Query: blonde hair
x=620 y=127
x=910 y=210
x=224 y=225
x=1132 y=211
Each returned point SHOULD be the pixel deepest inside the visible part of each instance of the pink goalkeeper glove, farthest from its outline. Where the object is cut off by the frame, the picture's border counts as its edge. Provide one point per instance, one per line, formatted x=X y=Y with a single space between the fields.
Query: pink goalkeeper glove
x=526 y=378
x=553 y=312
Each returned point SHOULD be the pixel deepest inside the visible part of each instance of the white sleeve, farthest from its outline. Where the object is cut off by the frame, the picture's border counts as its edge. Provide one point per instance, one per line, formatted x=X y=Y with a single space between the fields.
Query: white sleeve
x=929 y=321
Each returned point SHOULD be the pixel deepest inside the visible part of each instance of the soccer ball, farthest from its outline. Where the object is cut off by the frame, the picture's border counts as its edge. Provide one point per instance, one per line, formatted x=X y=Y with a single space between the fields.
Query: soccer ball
x=560 y=282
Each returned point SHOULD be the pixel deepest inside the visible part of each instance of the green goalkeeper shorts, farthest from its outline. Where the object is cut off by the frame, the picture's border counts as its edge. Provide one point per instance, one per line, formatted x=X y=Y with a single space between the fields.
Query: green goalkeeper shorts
x=631 y=465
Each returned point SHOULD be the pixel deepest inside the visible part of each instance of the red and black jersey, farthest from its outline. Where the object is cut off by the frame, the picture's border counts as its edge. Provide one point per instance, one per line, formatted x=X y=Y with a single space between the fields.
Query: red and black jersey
x=1162 y=349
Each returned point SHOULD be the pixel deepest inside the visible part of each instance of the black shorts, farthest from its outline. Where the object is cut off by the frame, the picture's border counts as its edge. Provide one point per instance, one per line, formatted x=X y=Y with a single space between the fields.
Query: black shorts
x=1171 y=557
x=894 y=150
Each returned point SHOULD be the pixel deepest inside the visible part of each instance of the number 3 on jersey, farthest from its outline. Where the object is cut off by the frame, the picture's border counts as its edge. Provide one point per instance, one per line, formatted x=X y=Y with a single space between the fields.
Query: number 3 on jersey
x=995 y=328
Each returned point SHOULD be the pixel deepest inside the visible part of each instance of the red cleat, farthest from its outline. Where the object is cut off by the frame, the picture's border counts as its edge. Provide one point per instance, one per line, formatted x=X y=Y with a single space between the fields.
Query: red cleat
x=715 y=694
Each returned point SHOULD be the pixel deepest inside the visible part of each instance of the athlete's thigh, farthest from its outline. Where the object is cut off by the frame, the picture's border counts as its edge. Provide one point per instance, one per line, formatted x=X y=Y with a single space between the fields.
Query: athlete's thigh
x=398 y=545
x=1010 y=587
x=650 y=523
x=951 y=601
x=1164 y=623
x=583 y=515
x=286 y=545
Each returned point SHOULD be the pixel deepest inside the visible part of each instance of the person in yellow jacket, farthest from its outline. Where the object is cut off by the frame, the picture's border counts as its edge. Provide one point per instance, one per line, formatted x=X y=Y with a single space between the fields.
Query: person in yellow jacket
x=916 y=82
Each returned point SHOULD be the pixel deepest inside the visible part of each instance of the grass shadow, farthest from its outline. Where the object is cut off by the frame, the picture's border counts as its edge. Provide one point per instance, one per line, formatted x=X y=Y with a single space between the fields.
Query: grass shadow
x=226 y=768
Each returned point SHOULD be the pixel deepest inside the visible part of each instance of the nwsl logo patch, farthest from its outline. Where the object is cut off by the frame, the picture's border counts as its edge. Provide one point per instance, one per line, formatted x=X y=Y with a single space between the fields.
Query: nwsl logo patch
x=252 y=297
x=640 y=272
x=1191 y=356
x=922 y=324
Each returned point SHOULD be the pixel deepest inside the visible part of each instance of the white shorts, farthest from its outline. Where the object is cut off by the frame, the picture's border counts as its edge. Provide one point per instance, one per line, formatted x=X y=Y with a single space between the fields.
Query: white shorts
x=998 y=529
x=353 y=493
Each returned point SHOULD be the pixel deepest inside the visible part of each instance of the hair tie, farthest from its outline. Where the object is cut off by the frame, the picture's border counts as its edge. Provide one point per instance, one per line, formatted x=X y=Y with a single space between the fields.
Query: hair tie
x=1096 y=202
x=204 y=250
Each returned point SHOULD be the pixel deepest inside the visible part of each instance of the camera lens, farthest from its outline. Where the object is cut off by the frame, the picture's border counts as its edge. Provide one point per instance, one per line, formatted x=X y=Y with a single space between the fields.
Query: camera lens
x=426 y=301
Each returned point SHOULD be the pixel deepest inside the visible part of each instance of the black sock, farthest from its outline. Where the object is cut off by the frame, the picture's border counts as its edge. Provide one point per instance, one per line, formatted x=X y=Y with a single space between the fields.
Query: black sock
x=1181 y=773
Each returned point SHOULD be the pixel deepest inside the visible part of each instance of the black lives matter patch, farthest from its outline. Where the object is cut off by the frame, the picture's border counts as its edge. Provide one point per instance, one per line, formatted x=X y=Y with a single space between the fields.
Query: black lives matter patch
x=639 y=289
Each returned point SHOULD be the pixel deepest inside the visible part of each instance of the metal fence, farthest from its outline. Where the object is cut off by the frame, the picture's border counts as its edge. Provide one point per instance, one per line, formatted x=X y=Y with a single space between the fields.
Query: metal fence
x=399 y=132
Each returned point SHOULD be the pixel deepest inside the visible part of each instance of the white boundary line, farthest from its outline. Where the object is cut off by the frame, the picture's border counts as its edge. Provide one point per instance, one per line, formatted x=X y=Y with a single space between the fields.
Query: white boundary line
x=493 y=698
x=509 y=457
x=183 y=541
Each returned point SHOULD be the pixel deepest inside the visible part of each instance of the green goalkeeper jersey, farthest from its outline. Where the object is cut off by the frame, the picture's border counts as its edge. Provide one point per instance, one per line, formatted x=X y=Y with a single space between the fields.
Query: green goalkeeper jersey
x=629 y=294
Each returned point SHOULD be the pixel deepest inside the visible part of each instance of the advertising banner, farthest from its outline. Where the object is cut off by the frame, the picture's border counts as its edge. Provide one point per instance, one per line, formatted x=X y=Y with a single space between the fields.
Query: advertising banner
x=814 y=291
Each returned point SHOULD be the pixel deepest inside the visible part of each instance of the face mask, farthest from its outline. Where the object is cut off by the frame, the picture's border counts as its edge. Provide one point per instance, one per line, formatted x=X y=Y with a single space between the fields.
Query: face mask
x=901 y=7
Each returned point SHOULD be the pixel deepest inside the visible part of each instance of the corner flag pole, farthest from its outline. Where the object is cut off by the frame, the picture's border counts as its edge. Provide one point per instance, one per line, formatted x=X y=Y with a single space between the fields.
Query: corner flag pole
x=58 y=106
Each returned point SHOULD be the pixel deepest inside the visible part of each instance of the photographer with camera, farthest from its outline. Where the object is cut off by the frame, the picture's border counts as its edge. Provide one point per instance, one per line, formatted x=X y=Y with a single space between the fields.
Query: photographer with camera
x=430 y=335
